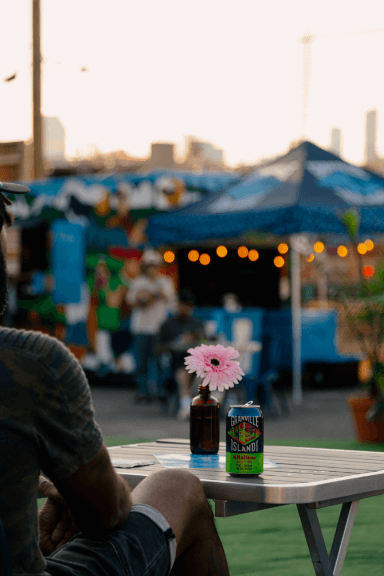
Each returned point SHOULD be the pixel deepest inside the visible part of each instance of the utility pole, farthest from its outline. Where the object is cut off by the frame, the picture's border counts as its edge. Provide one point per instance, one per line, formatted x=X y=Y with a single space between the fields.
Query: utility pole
x=37 y=127
x=306 y=42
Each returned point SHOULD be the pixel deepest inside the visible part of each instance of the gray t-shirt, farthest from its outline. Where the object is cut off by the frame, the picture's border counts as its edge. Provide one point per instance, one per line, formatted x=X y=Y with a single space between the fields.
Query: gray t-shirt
x=47 y=426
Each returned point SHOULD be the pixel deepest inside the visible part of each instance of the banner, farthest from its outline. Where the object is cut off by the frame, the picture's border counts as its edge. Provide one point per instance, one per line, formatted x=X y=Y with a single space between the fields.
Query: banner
x=67 y=261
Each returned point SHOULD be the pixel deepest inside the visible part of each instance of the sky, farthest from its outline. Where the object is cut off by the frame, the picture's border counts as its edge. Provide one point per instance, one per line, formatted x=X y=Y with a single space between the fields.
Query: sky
x=225 y=72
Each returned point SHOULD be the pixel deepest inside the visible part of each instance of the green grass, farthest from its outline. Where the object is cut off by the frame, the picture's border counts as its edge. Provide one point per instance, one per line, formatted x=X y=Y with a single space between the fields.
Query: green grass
x=272 y=541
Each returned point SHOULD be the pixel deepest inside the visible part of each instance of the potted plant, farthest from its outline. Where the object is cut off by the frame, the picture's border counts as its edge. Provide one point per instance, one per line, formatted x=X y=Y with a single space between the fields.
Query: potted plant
x=363 y=306
x=366 y=321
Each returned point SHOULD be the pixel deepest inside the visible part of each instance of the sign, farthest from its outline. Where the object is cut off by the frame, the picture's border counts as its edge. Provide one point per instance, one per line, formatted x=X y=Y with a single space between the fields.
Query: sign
x=68 y=261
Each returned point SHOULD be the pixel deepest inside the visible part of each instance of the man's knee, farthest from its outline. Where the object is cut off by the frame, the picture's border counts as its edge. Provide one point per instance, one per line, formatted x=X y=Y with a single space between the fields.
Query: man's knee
x=179 y=481
x=179 y=496
x=173 y=488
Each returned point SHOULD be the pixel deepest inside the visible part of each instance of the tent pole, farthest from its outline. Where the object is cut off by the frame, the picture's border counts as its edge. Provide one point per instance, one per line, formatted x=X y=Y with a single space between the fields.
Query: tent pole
x=296 y=324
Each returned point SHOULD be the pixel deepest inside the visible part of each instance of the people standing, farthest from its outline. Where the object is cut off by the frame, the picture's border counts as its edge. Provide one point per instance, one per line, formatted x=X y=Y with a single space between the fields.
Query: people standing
x=122 y=339
x=152 y=297
x=177 y=334
x=104 y=316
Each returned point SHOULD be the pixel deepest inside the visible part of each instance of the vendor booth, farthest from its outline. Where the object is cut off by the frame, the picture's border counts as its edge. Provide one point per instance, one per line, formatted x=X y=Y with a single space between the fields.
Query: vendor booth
x=73 y=232
x=297 y=197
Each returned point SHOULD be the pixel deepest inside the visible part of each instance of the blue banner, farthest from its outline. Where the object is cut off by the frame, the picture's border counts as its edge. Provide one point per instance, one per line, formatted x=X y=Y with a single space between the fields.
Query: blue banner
x=68 y=261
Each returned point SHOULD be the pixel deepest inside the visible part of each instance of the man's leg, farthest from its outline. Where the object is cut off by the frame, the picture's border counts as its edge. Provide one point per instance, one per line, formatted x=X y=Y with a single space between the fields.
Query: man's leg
x=179 y=496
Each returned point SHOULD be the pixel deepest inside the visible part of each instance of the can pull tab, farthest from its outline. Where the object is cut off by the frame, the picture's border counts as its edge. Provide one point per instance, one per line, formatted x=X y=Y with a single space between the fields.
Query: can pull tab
x=248 y=403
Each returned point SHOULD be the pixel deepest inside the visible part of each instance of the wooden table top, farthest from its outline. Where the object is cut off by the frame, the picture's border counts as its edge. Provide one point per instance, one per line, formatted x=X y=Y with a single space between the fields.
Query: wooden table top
x=304 y=475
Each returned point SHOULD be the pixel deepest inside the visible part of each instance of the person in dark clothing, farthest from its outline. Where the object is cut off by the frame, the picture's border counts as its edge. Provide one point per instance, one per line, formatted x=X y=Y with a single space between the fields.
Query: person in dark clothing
x=177 y=334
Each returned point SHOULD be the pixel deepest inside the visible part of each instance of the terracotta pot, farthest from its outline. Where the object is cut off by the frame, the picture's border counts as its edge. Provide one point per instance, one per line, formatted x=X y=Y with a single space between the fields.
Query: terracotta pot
x=365 y=432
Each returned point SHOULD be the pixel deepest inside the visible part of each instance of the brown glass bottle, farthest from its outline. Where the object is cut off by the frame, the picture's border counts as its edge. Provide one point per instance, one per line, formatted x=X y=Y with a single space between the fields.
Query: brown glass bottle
x=204 y=423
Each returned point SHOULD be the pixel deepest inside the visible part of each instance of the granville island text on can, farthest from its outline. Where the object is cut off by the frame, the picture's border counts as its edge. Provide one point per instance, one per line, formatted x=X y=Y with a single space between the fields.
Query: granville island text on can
x=245 y=440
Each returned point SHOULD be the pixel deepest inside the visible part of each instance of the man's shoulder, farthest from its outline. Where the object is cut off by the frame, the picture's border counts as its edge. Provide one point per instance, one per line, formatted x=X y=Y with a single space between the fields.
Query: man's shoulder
x=33 y=343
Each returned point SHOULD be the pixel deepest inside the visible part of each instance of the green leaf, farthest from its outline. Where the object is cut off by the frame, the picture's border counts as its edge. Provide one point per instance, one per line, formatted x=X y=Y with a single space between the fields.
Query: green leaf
x=351 y=220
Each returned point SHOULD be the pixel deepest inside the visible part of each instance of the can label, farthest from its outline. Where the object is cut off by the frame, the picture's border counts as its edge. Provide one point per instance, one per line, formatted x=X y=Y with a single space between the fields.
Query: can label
x=244 y=454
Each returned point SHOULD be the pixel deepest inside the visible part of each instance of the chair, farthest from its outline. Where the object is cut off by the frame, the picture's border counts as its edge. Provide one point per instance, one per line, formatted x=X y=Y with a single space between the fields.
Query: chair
x=269 y=377
x=213 y=320
x=5 y=558
x=243 y=331
x=168 y=385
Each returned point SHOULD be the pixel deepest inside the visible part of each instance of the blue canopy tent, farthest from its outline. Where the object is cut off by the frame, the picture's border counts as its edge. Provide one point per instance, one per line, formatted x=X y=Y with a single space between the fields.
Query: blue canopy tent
x=304 y=191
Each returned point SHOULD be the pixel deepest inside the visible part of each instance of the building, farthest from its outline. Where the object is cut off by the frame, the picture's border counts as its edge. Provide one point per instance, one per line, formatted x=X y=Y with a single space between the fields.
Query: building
x=372 y=161
x=53 y=139
x=162 y=156
x=16 y=161
x=335 y=146
x=370 y=136
x=204 y=156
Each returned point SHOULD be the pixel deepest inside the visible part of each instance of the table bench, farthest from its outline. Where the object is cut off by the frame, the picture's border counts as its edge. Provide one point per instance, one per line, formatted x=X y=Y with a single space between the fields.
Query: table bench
x=310 y=478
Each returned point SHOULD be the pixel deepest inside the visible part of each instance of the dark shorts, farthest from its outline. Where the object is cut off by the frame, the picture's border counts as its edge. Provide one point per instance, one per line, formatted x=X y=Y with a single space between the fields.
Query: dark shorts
x=144 y=545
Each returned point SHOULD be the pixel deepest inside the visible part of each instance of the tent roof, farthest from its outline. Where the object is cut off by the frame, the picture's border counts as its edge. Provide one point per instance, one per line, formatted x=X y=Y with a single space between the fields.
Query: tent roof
x=303 y=191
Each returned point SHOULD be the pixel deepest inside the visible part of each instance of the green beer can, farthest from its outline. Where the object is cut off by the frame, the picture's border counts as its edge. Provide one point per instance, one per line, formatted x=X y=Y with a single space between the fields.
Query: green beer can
x=245 y=440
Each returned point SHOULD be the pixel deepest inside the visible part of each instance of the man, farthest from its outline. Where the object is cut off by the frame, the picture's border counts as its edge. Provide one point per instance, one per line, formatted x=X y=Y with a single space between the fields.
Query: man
x=91 y=522
x=177 y=334
x=152 y=297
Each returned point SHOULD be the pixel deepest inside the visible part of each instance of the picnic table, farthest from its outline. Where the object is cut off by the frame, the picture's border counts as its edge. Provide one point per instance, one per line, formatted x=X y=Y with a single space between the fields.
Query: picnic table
x=310 y=478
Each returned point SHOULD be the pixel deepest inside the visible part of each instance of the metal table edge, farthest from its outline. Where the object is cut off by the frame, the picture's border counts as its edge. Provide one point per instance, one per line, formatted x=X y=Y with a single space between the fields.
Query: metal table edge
x=234 y=489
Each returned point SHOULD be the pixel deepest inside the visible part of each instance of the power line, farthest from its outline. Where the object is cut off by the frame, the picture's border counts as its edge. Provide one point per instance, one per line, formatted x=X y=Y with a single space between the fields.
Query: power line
x=357 y=33
x=306 y=41
x=311 y=37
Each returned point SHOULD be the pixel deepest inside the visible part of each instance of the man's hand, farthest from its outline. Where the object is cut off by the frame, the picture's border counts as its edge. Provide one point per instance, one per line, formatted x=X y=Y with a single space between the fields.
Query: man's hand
x=56 y=523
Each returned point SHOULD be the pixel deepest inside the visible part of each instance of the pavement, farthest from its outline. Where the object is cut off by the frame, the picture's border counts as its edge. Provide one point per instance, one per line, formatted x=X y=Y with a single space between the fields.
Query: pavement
x=323 y=414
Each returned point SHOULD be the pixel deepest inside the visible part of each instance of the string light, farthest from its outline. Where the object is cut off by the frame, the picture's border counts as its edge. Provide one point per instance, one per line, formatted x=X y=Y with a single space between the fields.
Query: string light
x=205 y=259
x=283 y=248
x=369 y=244
x=253 y=255
x=193 y=255
x=278 y=261
x=362 y=248
x=318 y=247
x=311 y=258
x=342 y=251
x=169 y=256
x=242 y=251
x=221 y=251
x=368 y=271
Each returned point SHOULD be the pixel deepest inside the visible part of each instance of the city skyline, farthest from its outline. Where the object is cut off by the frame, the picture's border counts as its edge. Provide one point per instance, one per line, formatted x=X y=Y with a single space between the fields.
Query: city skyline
x=140 y=73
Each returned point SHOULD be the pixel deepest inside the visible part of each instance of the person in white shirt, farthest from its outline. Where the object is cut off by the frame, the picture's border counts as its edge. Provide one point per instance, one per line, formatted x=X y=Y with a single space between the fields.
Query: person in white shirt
x=152 y=296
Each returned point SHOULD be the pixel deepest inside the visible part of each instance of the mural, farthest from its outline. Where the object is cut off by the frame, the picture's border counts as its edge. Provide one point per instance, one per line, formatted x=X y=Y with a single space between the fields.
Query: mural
x=96 y=233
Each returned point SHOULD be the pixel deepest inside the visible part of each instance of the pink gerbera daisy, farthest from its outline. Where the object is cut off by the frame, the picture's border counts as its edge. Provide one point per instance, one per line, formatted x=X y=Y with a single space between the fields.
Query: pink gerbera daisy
x=215 y=365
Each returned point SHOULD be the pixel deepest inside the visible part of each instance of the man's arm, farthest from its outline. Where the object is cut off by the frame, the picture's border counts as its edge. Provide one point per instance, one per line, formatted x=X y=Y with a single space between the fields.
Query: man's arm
x=98 y=498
